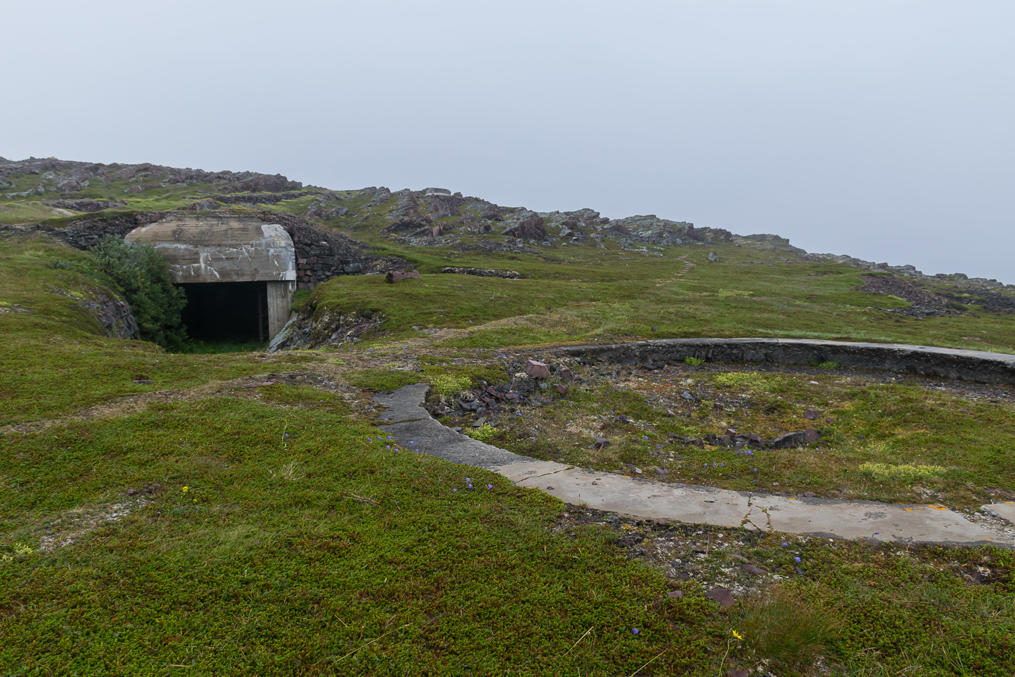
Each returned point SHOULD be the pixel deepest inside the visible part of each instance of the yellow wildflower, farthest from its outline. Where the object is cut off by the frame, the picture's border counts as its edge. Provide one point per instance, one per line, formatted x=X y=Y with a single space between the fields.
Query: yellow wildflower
x=737 y=635
x=186 y=489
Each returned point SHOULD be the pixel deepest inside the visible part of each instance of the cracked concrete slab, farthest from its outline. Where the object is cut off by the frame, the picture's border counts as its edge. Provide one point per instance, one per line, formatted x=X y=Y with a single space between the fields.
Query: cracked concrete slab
x=408 y=422
x=411 y=425
x=1004 y=510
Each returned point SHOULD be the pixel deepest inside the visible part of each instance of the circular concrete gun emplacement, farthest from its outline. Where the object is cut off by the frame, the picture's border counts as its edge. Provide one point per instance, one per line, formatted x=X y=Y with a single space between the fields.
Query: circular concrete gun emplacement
x=239 y=273
x=407 y=420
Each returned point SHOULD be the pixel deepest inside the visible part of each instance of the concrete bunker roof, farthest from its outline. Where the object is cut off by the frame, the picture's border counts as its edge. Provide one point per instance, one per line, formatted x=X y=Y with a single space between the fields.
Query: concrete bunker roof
x=221 y=248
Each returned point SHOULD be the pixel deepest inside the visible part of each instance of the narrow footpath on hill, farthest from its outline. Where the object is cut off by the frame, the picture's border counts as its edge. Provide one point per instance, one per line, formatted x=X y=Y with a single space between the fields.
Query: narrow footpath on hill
x=412 y=427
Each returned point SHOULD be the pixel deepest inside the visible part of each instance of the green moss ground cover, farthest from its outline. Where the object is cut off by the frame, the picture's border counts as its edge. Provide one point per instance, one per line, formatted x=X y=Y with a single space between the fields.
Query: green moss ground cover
x=274 y=540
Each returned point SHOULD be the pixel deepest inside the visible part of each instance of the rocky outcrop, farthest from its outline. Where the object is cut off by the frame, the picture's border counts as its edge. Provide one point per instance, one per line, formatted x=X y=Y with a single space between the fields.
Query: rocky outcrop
x=64 y=177
x=530 y=227
x=259 y=198
x=957 y=279
x=112 y=312
x=482 y=272
x=84 y=205
x=923 y=303
x=312 y=328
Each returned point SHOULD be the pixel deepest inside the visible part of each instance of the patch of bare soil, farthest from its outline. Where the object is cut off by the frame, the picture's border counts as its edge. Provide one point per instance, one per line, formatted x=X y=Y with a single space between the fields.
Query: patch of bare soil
x=75 y=524
x=726 y=559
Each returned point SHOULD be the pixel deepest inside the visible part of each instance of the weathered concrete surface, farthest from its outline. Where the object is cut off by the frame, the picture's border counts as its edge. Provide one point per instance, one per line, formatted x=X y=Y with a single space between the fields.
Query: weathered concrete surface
x=409 y=422
x=721 y=507
x=279 y=301
x=971 y=365
x=221 y=248
x=1004 y=510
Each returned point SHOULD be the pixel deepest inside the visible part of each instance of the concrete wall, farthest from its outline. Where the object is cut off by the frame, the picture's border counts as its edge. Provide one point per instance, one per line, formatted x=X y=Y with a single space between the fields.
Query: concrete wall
x=227 y=248
x=970 y=365
x=280 y=299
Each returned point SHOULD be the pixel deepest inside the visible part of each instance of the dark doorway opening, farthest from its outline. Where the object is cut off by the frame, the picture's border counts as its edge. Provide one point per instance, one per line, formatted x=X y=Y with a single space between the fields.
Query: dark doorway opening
x=227 y=311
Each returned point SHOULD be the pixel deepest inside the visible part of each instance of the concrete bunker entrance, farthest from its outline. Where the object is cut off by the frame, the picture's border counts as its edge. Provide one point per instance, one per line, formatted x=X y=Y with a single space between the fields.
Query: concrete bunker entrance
x=227 y=311
x=238 y=272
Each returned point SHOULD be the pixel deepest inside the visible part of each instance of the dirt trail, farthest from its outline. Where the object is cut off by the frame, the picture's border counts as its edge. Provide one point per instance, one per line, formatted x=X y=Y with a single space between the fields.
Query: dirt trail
x=130 y=404
x=688 y=267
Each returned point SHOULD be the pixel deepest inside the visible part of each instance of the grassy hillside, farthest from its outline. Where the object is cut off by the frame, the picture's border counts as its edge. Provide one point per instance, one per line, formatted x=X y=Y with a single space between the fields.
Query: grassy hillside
x=239 y=512
x=578 y=294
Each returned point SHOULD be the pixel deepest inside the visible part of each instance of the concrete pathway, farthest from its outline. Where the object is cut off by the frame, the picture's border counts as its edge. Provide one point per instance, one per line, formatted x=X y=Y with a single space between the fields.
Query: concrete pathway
x=407 y=421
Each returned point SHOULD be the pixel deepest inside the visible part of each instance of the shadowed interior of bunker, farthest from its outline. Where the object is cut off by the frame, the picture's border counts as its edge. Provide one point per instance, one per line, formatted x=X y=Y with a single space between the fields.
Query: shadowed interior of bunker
x=226 y=311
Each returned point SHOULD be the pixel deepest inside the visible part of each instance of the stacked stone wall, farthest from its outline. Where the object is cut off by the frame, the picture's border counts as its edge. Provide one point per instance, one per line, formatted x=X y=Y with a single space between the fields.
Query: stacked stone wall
x=969 y=365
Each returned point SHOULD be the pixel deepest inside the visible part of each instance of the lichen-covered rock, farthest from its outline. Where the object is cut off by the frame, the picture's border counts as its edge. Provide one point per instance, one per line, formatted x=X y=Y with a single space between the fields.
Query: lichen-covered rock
x=312 y=329
x=112 y=312
x=482 y=272
x=530 y=227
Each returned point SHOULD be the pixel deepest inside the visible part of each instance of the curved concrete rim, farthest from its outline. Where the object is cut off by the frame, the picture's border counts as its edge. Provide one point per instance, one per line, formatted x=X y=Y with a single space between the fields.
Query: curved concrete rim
x=952 y=363
x=411 y=425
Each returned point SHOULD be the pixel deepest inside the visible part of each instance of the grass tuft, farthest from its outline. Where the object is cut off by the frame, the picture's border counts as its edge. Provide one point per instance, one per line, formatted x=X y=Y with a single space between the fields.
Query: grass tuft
x=787 y=630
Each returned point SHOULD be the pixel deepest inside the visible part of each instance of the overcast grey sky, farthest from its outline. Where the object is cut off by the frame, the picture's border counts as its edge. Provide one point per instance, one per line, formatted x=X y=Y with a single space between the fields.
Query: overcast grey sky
x=884 y=129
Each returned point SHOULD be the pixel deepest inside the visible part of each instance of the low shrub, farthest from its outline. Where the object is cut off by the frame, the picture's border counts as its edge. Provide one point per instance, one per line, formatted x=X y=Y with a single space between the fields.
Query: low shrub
x=141 y=275
x=904 y=471
x=483 y=433
x=450 y=384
